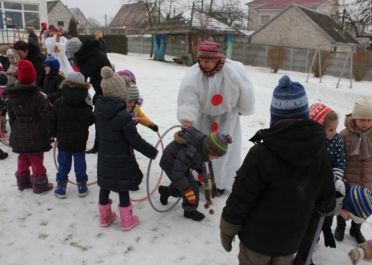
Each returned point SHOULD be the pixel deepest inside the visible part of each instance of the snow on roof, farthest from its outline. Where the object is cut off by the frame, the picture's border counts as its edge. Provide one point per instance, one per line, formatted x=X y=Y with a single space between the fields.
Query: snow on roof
x=281 y=4
x=203 y=21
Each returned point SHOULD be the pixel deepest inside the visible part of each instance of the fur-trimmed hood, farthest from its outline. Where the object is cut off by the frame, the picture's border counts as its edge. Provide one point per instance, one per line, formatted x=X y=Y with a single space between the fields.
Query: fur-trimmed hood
x=74 y=92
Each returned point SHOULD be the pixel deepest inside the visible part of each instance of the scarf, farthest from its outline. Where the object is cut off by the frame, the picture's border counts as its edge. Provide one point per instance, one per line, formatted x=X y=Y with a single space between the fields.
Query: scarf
x=216 y=69
x=361 y=144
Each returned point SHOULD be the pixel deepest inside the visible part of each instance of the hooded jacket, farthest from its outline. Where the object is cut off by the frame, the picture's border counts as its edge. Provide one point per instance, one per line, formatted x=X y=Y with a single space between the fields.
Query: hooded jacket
x=117 y=169
x=90 y=59
x=284 y=177
x=37 y=58
x=187 y=151
x=71 y=117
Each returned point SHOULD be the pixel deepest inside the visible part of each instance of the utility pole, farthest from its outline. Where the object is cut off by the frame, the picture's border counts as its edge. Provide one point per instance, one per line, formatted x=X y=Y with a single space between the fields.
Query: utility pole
x=210 y=7
x=343 y=18
x=202 y=5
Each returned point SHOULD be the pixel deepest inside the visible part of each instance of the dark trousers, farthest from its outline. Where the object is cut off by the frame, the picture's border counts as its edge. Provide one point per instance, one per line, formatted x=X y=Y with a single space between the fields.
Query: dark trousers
x=249 y=257
x=35 y=161
x=177 y=192
x=104 y=197
x=65 y=162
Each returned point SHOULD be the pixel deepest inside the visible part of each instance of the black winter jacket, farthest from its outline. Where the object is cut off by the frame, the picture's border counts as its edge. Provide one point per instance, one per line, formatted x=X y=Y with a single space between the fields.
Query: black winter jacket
x=71 y=117
x=282 y=180
x=117 y=169
x=90 y=59
x=52 y=86
x=28 y=118
x=188 y=151
x=37 y=58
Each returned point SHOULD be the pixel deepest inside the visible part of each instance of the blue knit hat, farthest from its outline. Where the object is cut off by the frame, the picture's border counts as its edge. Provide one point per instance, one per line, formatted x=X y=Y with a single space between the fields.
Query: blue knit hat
x=53 y=63
x=289 y=101
x=358 y=201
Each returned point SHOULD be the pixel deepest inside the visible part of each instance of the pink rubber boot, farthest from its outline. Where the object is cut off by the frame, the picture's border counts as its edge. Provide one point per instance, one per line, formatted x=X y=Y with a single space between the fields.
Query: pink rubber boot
x=128 y=220
x=106 y=216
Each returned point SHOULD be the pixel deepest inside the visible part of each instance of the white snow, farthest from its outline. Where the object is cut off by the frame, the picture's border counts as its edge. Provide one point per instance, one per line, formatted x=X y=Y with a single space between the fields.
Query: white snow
x=43 y=230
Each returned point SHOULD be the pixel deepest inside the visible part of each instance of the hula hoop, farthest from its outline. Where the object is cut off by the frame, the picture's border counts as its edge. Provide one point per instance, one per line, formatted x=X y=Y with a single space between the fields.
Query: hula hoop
x=159 y=180
x=148 y=177
x=56 y=165
x=4 y=139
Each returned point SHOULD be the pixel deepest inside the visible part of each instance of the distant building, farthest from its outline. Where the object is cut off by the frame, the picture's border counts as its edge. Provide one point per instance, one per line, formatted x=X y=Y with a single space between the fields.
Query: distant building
x=84 y=26
x=260 y=12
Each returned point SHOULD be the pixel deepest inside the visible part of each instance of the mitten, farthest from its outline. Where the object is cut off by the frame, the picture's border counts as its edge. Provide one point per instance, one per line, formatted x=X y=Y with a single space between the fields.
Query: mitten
x=190 y=196
x=329 y=240
x=227 y=233
x=156 y=154
x=154 y=127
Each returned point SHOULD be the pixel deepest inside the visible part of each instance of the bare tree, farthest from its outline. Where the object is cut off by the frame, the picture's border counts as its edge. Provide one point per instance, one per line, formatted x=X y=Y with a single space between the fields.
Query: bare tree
x=356 y=15
x=229 y=11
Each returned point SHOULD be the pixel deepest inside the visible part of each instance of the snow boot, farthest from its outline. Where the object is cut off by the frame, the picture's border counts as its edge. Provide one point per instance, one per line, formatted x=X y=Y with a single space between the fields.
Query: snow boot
x=165 y=193
x=356 y=233
x=82 y=188
x=41 y=185
x=128 y=220
x=340 y=229
x=3 y=155
x=60 y=191
x=193 y=215
x=106 y=216
x=23 y=182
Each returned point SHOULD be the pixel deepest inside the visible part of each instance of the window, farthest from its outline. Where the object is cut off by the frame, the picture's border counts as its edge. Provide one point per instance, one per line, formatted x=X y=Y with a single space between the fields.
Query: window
x=11 y=5
x=32 y=19
x=30 y=7
x=60 y=23
x=13 y=19
x=265 y=20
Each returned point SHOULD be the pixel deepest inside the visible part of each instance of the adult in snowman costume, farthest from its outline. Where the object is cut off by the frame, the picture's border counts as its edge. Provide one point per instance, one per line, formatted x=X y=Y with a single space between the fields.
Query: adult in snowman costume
x=213 y=93
x=56 y=47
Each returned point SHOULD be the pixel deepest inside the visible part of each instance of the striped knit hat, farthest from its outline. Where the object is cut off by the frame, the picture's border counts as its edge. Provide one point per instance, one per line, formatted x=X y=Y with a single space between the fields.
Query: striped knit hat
x=217 y=144
x=319 y=111
x=289 y=101
x=209 y=50
x=133 y=93
x=358 y=202
x=129 y=74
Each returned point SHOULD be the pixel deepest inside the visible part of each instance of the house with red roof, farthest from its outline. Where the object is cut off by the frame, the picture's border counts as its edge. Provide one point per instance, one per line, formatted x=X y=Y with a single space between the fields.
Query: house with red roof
x=260 y=12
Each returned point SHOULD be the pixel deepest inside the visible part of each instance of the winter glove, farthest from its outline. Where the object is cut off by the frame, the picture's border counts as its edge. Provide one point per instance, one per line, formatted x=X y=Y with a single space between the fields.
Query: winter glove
x=340 y=194
x=156 y=154
x=190 y=196
x=227 y=233
x=329 y=240
x=364 y=251
x=154 y=127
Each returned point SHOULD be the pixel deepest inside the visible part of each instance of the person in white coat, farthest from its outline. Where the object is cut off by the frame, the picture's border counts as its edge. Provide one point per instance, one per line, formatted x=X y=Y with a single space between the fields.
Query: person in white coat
x=212 y=95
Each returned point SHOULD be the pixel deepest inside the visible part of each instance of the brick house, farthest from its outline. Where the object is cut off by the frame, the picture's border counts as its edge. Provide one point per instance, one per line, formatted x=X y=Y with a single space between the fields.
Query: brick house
x=260 y=12
x=300 y=27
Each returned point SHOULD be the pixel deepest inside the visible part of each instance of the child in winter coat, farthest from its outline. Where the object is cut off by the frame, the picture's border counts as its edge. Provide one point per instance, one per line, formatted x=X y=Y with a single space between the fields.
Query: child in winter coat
x=284 y=178
x=190 y=150
x=134 y=99
x=117 y=134
x=28 y=118
x=326 y=117
x=363 y=252
x=70 y=121
x=3 y=82
x=13 y=66
x=53 y=79
x=357 y=138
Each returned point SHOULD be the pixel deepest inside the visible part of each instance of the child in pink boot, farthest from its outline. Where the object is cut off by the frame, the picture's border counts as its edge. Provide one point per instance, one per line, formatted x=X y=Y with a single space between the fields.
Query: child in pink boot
x=29 y=137
x=117 y=135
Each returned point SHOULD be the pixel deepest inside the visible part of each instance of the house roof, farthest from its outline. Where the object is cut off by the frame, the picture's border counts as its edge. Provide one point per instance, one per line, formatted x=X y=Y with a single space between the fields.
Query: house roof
x=324 y=23
x=192 y=21
x=131 y=15
x=51 y=5
x=282 y=4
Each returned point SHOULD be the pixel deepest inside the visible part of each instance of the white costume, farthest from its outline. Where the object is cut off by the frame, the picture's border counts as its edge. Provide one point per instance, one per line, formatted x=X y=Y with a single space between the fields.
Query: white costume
x=214 y=103
x=58 y=50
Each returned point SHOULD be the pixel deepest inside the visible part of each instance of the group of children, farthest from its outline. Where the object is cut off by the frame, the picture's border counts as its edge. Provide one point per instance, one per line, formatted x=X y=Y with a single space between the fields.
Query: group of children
x=62 y=109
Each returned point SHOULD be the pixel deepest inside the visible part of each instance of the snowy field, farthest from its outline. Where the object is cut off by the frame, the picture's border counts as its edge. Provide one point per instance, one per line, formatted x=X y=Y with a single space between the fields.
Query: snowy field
x=43 y=230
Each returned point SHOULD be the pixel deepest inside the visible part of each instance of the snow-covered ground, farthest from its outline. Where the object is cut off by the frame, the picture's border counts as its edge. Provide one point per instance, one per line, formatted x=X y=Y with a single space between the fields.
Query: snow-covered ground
x=41 y=229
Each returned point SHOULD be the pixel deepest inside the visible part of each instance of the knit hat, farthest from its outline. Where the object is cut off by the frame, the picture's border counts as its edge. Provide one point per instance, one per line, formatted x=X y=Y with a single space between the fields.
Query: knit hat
x=53 y=63
x=129 y=74
x=358 y=202
x=289 y=101
x=133 y=93
x=209 y=50
x=113 y=85
x=3 y=79
x=217 y=143
x=319 y=111
x=362 y=109
x=26 y=72
x=73 y=46
x=76 y=77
